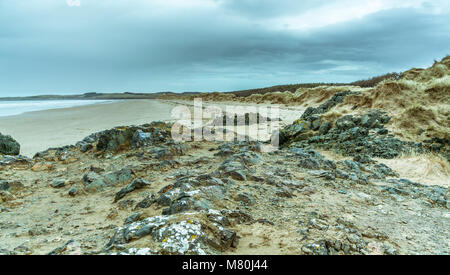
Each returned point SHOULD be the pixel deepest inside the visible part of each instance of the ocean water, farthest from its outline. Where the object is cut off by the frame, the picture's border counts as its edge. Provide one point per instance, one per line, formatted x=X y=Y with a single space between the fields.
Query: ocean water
x=11 y=108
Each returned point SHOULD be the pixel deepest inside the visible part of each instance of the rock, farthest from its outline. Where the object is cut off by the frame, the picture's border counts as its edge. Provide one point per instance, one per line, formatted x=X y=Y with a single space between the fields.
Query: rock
x=11 y=186
x=9 y=146
x=120 y=138
x=133 y=218
x=119 y=177
x=324 y=128
x=345 y=123
x=93 y=182
x=337 y=98
x=245 y=198
x=39 y=167
x=73 y=192
x=58 y=183
x=147 y=202
x=23 y=250
x=137 y=230
x=115 y=139
x=237 y=175
x=14 y=160
x=389 y=250
x=352 y=136
x=136 y=251
x=70 y=248
x=317 y=248
x=6 y=196
x=162 y=153
x=84 y=147
x=4 y=185
x=310 y=159
x=181 y=234
x=141 y=139
x=6 y=252
x=182 y=204
x=135 y=185
x=284 y=193
x=225 y=150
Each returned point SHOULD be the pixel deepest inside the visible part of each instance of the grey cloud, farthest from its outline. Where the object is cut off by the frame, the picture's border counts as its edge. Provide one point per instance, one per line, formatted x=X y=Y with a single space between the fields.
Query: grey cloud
x=56 y=49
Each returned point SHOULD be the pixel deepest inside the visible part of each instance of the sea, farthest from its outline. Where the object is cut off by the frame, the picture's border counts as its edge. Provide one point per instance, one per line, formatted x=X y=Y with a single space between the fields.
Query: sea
x=11 y=108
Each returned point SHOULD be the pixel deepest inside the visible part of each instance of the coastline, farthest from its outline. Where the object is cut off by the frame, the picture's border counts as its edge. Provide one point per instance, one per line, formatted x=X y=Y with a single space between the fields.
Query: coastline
x=39 y=130
x=17 y=107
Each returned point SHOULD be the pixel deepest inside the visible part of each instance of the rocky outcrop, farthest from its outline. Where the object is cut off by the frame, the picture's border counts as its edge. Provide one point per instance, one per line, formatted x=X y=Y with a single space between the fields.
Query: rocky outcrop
x=349 y=135
x=9 y=146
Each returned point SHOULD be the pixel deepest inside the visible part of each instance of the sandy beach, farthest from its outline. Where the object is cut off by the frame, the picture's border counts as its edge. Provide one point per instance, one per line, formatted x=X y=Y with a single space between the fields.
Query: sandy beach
x=40 y=130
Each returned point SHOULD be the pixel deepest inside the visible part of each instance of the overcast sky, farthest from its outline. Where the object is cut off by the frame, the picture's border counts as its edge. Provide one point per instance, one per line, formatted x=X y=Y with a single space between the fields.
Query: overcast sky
x=78 y=46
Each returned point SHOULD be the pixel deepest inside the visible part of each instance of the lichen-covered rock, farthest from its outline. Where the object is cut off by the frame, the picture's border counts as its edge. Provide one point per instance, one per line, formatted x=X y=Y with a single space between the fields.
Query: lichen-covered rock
x=188 y=234
x=9 y=146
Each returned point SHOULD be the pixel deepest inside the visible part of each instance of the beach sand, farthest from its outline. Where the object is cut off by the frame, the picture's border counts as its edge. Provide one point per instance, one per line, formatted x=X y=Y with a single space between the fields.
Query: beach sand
x=40 y=130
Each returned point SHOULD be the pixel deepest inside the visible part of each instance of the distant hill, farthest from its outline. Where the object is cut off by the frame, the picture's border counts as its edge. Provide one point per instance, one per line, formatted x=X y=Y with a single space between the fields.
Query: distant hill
x=95 y=96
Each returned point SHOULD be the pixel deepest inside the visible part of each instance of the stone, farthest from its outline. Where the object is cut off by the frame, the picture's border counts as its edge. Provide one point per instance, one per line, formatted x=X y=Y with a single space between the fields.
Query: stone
x=73 y=192
x=58 y=183
x=14 y=160
x=135 y=185
x=147 y=202
x=11 y=186
x=70 y=248
x=39 y=167
x=118 y=177
x=237 y=175
x=245 y=198
x=133 y=218
x=94 y=182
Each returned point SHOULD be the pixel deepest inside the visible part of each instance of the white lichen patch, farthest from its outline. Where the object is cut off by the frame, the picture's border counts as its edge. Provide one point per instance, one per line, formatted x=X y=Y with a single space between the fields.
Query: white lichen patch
x=181 y=238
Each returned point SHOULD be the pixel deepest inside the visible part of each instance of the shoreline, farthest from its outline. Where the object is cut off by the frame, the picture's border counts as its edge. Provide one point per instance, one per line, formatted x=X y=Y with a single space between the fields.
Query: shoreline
x=37 y=131
x=89 y=102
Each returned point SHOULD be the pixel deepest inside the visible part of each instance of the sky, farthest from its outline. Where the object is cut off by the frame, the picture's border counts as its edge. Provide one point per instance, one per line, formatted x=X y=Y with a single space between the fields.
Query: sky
x=79 y=46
